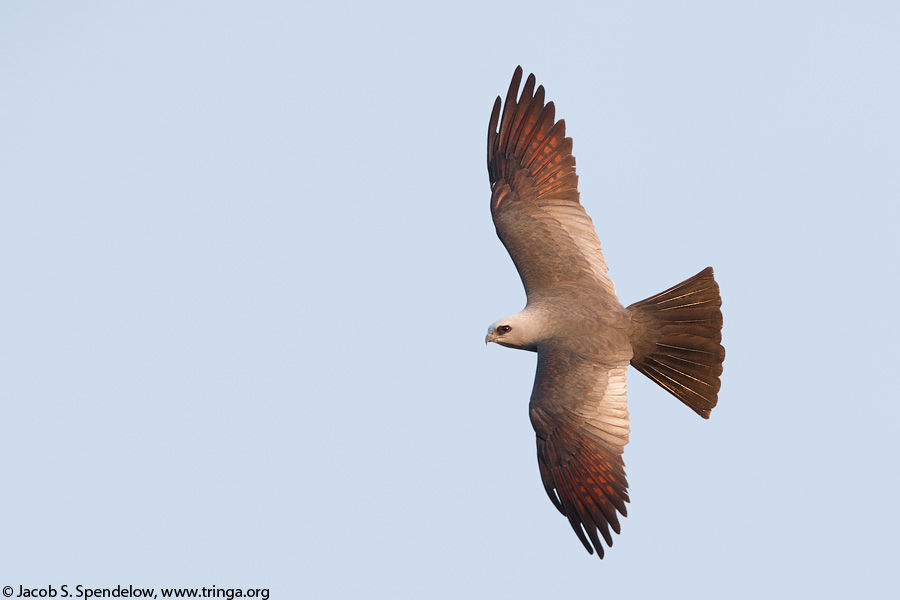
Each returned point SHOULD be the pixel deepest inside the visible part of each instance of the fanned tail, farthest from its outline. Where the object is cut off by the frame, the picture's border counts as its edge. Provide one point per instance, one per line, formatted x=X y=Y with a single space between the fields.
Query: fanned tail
x=676 y=336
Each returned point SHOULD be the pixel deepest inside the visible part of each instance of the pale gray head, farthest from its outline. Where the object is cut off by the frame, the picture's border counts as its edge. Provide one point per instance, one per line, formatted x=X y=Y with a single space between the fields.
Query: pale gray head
x=518 y=331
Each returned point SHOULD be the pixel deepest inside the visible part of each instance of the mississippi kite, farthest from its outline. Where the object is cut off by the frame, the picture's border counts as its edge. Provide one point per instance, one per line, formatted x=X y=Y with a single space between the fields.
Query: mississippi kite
x=584 y=338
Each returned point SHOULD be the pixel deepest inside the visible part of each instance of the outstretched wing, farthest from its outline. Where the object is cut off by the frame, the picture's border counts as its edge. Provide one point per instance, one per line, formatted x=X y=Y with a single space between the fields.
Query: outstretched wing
x=534 y=200
x=579 y=412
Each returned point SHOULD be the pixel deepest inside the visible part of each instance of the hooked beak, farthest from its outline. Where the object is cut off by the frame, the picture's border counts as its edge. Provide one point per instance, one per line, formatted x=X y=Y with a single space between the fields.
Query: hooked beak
x=489 y=337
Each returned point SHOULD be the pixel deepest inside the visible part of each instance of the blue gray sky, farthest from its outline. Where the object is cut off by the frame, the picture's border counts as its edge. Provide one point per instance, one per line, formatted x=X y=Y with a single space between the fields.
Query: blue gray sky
x=248 y=265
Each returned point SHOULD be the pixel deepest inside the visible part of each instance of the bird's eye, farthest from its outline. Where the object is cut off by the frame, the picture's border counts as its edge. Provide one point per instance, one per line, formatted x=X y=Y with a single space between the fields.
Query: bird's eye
x=504 y=329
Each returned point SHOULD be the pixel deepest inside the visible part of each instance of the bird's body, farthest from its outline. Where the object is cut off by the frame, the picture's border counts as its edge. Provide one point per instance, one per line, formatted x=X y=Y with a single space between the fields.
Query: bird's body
x=585 y=338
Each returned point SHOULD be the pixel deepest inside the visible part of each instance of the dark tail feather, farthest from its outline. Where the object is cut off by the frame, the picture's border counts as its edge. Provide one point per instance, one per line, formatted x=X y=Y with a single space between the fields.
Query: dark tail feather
x=676 y=338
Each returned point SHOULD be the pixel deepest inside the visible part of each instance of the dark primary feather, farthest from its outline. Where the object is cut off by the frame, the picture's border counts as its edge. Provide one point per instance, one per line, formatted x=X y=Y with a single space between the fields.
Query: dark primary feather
x=579 y=413
x=535 y=202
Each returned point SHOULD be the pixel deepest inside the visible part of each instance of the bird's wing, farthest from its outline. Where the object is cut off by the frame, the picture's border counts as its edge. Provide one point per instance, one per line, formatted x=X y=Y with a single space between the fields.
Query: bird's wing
x=580 y=414
x=534 y=199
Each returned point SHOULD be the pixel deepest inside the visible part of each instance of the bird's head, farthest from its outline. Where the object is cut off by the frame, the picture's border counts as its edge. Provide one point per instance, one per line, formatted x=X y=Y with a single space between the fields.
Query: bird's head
x=516 y=331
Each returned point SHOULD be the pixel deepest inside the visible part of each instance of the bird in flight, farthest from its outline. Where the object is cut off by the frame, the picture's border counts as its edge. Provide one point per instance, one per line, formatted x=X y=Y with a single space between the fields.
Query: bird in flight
x=584 y=338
